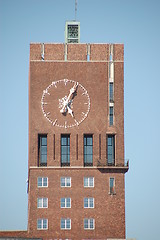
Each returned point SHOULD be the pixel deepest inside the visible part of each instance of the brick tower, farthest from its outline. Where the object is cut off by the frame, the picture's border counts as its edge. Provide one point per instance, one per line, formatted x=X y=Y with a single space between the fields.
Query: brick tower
x=76 y=140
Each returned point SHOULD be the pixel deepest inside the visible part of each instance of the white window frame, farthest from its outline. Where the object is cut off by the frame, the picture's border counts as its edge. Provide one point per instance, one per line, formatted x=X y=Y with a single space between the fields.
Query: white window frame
x=42 y=182
x=42 y=222
x=41 y=201
x=65 y=202
x=65 y=223
x=89 y=202
x=65 y=181
x=89 y=224
x=88 y=181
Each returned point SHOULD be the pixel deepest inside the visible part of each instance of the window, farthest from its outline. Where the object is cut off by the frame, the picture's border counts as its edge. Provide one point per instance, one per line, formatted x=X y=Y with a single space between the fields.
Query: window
x=112 y=186
x=65 y=150
x=42 y=224
x=88 y=150
x=89 y=223
x=111 y=150
x=88 y=202
x=110 y=116
x=65 y=202
x=88 y=181
x=65 y=223
x=42 y=150
x=111 y=91
x=65 y=181
x=42 y=203
x=42 y=182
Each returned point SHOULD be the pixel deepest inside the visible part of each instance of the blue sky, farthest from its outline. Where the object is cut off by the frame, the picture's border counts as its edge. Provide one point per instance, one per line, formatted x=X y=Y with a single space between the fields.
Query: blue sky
x=134 y=23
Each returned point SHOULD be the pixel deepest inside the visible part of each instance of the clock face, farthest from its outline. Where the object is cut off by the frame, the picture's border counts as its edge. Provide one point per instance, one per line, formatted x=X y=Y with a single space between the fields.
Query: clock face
x=65 y=103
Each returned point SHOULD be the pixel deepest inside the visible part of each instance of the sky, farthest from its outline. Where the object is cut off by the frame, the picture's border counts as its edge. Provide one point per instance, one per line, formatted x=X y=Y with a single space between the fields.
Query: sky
x=134 y=23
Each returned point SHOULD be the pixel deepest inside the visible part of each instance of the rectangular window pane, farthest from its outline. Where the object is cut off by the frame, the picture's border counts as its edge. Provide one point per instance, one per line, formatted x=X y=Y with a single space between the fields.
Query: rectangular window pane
x=45 y=202
x=45 y=181
x=112 y=185
x=68 y=182
x=91 y=181
x=110 y=116
x=65 y=182
x=62 y=223
x=91 y=224
x=62 y=202
x=91 y=203
x=88 y=149
x=42 y=182
x=85 y=202
x=88 y=182
x=42 y=150
x=62 y=182
x=39 y=202
x=85 y=182
x=45 y=223
x=111 y=91
x=85 y=223
x=39 y=182
x=39 y=223
x=68 y=221
x=111 y=150
x=65 y=149
x=68 y=202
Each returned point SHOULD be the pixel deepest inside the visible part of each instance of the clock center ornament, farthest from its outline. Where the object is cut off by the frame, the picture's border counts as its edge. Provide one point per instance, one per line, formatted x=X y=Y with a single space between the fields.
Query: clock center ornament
x=65 y=103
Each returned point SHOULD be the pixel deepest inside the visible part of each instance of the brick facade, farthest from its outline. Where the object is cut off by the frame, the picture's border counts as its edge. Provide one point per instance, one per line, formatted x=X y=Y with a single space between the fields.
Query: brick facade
x=70 y=61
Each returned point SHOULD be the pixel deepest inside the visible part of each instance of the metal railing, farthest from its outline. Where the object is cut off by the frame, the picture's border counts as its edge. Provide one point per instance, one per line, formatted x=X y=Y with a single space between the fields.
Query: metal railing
x=114 y=163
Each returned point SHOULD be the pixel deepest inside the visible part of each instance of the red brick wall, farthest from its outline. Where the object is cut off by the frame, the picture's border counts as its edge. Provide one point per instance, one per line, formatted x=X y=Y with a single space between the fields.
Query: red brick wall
x=109 y=211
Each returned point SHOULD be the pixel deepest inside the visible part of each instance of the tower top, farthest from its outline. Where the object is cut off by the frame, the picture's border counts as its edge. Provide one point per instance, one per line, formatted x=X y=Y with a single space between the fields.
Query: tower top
x=72 y=32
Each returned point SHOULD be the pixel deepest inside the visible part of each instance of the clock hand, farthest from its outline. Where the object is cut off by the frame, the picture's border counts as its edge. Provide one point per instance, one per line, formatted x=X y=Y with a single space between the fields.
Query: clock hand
x=68 y=100
x=70 y=111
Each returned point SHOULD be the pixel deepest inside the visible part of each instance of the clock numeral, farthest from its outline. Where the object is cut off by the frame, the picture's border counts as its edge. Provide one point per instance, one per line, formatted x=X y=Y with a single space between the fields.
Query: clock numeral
x=44 y=103
x=85 y=93
x=76 y=122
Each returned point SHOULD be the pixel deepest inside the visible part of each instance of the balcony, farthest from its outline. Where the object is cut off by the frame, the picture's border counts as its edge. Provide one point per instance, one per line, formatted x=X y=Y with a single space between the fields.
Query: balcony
x=115 y=164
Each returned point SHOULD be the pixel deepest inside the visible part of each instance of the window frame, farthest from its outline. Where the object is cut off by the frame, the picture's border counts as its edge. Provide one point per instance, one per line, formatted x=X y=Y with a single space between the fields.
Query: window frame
x=111 y=115
x=65 y=181
x=65 y=202
x=88 y=182
x=42 y=182
x=113 y=191
x=40 y=147
x=67 y=147
x=88 y=202
x=41 y=198
x=42 y=224
x=87 y=162
x=89 y=223
x=65 y=224
x=111 y=162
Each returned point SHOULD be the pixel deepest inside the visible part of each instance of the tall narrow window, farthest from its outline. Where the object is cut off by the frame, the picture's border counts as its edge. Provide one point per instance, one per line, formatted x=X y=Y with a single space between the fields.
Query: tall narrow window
x=65 y=150
x=88 y=150
x=111 y=91
x=111 y=150
x=42 y=150
x=110 y=116
x=112 y=186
